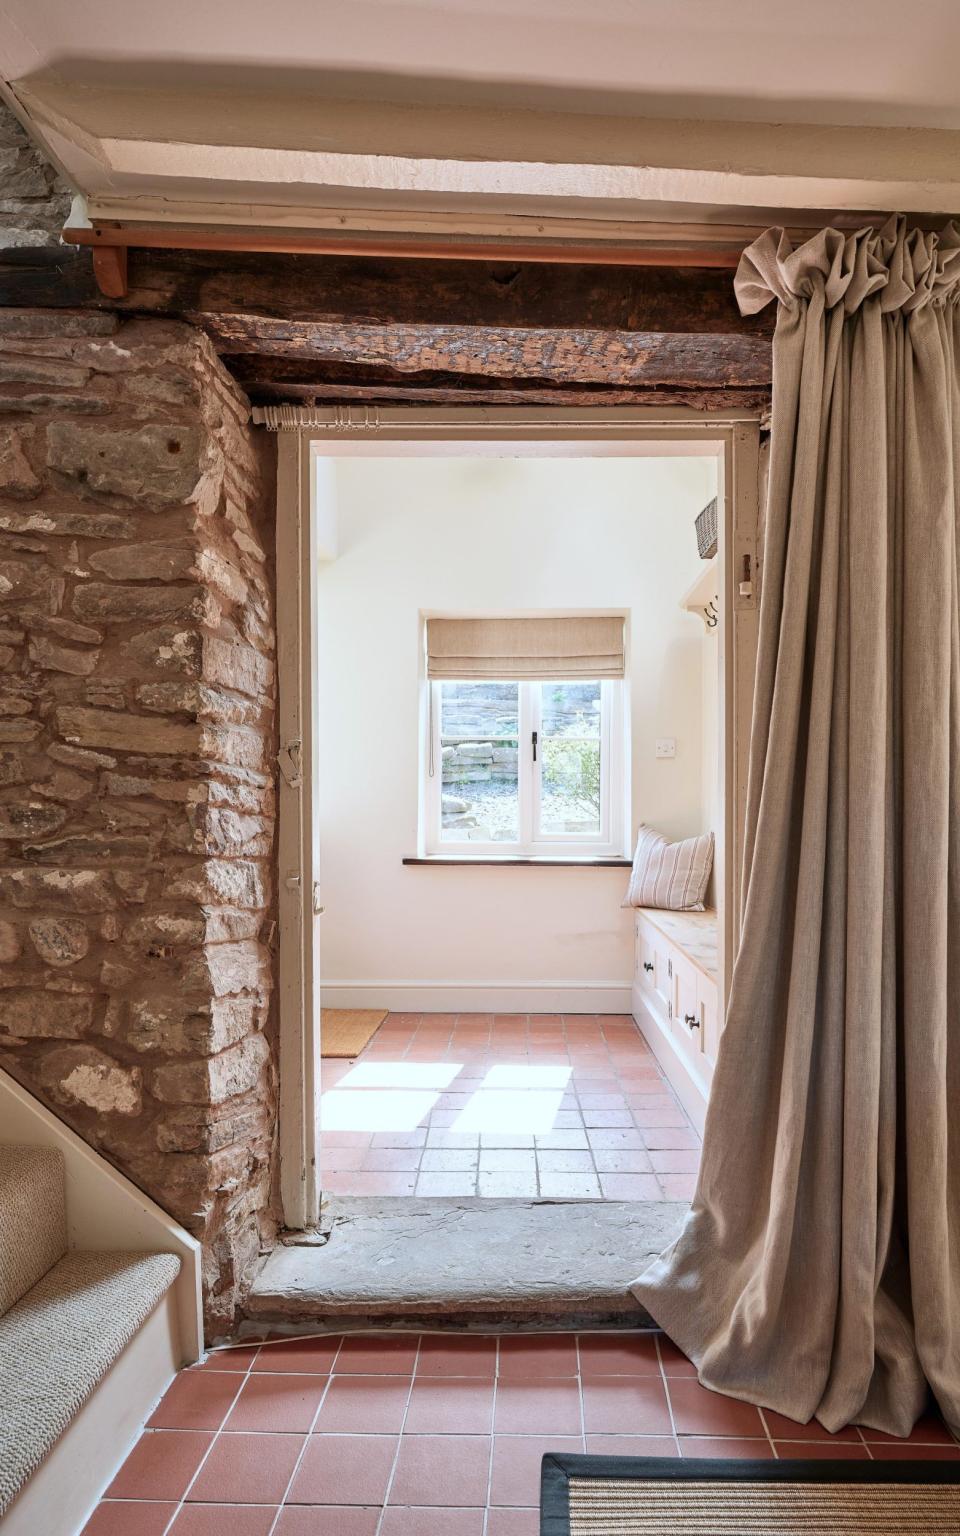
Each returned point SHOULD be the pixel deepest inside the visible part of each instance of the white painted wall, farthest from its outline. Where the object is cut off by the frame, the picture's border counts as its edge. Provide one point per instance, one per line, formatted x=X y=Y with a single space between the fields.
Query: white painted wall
x=501 y=535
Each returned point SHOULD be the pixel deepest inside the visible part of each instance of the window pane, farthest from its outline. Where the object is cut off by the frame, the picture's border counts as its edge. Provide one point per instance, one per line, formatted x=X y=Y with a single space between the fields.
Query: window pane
x=570 y=759
x=570 y=709
x=478 y=741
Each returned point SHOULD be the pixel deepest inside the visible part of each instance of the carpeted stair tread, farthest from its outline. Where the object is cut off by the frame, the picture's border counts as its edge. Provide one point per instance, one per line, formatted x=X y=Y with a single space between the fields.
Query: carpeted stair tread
x=60 y=1340
x=33 y=1232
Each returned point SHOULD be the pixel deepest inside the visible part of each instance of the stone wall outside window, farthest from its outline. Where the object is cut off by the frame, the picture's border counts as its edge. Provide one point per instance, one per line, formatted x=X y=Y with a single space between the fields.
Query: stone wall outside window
x=137 y=756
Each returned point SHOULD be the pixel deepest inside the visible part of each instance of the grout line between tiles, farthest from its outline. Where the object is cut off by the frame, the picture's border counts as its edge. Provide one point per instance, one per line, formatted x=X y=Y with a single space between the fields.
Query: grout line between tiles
x=244 y=1377
x=403 y=1424
x=303 y=1448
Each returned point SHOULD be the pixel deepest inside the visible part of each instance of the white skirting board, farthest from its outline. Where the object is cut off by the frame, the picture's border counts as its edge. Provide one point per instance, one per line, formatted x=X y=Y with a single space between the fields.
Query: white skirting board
x=60 y=1496
x=692 y=1093
x=479 y=996
x=104 y=1209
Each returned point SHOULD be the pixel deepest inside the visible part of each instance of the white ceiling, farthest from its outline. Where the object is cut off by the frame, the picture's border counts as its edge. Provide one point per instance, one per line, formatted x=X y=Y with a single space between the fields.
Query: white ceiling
x=864 y=62
x=609 y=109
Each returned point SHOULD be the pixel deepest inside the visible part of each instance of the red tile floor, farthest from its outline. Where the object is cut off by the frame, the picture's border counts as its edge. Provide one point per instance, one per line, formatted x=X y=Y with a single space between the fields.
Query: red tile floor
x=506 y=1105
x=429 y=1435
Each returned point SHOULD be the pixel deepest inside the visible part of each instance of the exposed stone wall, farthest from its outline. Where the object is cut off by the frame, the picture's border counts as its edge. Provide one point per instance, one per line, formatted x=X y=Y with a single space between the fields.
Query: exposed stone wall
x=34 y=199
x=136 y=764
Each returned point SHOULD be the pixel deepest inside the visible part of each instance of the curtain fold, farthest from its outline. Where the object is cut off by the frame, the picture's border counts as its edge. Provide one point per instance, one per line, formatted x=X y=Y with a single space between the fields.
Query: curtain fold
x=818 y=1271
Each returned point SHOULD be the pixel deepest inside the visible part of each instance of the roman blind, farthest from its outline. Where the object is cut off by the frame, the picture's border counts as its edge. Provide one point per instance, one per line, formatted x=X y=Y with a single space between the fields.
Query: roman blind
x=529 y=649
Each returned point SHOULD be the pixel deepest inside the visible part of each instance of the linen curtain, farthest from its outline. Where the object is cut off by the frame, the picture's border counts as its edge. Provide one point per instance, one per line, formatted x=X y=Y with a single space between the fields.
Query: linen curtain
x=564 y=647
x=818 y=1271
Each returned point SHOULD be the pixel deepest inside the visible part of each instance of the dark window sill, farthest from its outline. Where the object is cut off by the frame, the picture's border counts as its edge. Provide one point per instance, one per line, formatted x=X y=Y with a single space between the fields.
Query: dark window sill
x=462 y=861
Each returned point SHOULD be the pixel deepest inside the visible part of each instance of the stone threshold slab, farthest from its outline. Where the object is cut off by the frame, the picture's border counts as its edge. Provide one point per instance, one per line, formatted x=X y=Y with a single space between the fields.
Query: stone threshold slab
x=468 y=1263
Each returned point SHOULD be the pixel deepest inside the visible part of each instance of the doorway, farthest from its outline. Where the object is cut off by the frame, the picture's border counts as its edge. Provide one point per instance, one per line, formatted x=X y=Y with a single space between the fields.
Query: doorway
x=505 y=1039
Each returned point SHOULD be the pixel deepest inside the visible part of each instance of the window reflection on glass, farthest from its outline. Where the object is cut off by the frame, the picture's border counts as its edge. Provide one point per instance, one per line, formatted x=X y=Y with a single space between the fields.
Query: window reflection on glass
x=479 y=723
x=571 y=768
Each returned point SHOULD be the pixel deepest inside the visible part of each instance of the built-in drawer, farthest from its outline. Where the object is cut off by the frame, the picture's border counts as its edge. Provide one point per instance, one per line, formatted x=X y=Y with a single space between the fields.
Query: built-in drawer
x=687 y=1025
x=709 y=1017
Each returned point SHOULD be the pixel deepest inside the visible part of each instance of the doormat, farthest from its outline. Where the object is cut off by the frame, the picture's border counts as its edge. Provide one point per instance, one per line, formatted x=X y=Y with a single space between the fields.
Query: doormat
x=640 y=1496
x=345 y=1031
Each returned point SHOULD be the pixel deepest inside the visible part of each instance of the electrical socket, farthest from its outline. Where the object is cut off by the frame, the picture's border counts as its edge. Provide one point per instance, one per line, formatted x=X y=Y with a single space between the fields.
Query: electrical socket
x=666 y=746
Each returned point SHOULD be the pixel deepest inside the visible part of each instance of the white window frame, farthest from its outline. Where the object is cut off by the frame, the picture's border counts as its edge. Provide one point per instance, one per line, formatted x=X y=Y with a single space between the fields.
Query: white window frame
x=532 y=842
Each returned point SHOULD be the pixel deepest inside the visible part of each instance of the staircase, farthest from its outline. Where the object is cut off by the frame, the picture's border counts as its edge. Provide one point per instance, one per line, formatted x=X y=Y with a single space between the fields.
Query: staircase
x=88 y=1342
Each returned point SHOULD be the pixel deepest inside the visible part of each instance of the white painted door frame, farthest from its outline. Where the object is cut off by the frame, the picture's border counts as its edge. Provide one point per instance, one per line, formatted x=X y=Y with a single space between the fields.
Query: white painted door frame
x=399 y=431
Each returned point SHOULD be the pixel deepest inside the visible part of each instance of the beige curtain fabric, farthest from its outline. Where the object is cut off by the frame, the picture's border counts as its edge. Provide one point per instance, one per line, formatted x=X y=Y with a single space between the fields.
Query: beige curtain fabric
x=818 y=1272
x=571 y=646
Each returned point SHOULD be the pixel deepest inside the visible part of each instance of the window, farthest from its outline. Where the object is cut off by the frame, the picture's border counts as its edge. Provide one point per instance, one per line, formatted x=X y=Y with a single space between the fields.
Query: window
x=527 y=767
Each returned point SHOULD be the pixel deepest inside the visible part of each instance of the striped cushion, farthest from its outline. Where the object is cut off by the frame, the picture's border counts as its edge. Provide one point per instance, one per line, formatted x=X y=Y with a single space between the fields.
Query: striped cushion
x=673 y=876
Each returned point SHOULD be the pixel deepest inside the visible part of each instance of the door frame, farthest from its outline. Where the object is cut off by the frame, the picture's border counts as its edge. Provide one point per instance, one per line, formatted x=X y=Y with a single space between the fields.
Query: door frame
x=403 y=430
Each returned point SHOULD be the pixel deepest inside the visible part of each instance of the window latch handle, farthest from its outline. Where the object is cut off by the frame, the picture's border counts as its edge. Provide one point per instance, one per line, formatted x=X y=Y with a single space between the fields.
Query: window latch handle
x=534 y=738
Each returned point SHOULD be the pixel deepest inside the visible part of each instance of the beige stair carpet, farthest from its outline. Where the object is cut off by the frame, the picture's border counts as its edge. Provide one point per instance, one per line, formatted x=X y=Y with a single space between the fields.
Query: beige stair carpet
x=33 y=1228
x=60 y=1340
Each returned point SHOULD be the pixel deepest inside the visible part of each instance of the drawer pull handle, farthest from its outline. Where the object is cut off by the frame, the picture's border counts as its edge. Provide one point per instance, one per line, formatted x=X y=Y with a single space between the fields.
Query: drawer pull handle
x=648 y=965
x=692 y=1020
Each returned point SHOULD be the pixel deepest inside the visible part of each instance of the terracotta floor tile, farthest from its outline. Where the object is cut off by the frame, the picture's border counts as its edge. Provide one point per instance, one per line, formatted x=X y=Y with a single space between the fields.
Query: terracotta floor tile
x=450 y=1406
x=417 y=1138
x=247 y=1469
x=630 y=1186
x=444 y=1470
x=821 y=1450
x=342 y=1160
x=281 y=1404
x=364 y=1405
x=513 y=1522
x=616 y=1140
x=454 y=1140
x=562 y=1141
x=607 y=1119
x=392 y=1159
x=377 y=1354
x=507 y=1160
x=673 y=1360
x=676 y=1160
x=449 y=1160
x=602 y=1101
x=693 y=1446
x=625 y=1405
x=312 y=1357
x=507 y=1186
x=570 y=1186
x=161 y=1465
x=629 y=1160
x=365 y=1183
x=782 y=1428
x=400 y=1521
x=328 y=1520
x=619 y=1354
x=909 y=1450
x=538 y=1354
x=698 y=1411
x=506 y=1141
x=453 y=1355
x=446 y=1185
x=678 y=1186
x=344 y=1469
x=121 y=1519
x=580 y=1161
x=236 y=1361
x=224 y=1520
x=516 y=1465
x=650 y=1119
x=538 y=1405
x=657 y=1138
x=632 y=1445
x=196 y=1400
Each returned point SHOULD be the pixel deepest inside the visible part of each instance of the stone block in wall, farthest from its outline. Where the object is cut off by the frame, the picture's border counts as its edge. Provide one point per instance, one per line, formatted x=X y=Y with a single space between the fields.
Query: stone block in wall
x=137 y=752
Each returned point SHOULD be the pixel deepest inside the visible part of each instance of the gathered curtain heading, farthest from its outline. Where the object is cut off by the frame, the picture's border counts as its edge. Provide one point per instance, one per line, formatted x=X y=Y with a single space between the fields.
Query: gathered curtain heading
x=527 y=649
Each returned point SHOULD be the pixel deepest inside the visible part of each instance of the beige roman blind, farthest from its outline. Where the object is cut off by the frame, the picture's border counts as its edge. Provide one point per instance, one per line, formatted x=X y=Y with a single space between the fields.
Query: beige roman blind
x=584 y=645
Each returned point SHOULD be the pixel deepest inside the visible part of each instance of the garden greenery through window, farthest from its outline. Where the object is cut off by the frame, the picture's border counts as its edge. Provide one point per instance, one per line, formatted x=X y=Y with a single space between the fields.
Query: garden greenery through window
x=528 y=768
